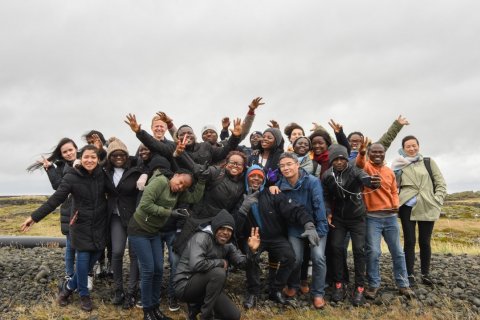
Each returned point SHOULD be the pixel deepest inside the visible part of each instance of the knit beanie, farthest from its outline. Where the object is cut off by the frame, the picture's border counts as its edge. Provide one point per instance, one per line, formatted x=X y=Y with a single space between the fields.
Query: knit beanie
x=277 y=134
x=115 y=144
x=255 y=132
x=223 y=219
x=336 y=151
x=209 y=127
x=256 y=171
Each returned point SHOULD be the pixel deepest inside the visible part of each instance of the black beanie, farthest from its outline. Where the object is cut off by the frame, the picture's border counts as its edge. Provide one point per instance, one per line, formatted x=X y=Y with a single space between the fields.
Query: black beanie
x=337 y=151
x=222 y=219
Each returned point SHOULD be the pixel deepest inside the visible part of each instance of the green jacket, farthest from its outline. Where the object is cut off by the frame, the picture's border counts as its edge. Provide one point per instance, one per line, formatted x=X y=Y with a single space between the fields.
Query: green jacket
x=416 y=182
x=387 y=138
x=158 y=201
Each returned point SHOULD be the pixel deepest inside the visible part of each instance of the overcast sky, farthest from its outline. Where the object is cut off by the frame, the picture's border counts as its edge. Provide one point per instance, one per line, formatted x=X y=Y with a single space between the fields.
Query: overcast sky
x=70 y=66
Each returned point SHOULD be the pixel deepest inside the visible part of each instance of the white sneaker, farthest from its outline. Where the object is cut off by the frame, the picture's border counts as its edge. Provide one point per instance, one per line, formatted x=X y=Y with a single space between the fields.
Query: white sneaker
x=90 y=283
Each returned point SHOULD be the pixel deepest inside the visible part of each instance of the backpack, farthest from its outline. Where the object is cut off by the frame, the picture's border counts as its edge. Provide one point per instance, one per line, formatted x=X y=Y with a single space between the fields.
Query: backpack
x=428 y=166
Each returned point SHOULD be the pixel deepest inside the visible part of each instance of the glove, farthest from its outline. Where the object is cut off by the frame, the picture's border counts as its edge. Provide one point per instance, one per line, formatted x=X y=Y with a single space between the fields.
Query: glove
x=311 y=234
x=201 y=172
x=248 y=201
x=142 y=181
x=180 y=213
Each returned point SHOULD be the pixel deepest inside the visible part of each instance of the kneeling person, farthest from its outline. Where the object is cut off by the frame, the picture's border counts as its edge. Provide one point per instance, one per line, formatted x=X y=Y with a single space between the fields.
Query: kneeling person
x=202 y=269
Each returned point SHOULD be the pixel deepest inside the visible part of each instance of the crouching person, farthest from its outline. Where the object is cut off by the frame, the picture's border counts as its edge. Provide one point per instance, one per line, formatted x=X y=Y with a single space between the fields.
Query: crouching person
x=202 y=269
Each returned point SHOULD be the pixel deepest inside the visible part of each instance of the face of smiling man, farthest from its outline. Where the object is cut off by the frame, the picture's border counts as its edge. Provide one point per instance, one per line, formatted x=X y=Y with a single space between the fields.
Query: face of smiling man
x=376 y=154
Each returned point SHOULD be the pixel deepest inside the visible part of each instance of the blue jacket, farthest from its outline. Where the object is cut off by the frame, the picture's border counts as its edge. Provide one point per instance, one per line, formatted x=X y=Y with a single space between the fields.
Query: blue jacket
x=307 y=192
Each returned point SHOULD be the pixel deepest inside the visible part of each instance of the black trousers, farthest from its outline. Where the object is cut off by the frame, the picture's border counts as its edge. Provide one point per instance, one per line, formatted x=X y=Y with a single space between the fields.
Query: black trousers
x=207 y=289
x=425 y=229
x=357 y=229
x=281 y=260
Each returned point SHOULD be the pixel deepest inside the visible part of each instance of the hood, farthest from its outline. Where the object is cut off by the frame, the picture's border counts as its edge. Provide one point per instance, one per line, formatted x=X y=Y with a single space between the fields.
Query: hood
x=223 y=218
x=250 y=169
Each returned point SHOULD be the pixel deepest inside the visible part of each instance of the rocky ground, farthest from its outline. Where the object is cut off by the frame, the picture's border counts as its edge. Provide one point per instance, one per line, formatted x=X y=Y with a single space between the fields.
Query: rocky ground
x=30 y=276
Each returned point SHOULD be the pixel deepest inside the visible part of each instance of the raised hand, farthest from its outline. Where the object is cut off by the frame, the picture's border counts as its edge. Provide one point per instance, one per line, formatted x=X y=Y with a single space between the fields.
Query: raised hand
x=337 y=127
x=273 y=124
x=225 y=123
x=315 y=126
x=46 y=164
x=163 y=116
x=237 y=127
x=181 y=144
x=97 y=142
x=256 y=103
x=403 y=121
x=254 y=240
x=132 y=122
x=364 y=145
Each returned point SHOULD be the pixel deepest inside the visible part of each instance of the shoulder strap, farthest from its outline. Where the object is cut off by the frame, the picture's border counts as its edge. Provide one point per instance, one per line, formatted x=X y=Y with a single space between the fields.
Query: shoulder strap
x=428 y=166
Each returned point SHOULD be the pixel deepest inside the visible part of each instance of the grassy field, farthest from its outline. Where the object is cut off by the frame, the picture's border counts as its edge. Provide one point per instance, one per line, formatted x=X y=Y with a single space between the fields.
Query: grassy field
x=457 y=232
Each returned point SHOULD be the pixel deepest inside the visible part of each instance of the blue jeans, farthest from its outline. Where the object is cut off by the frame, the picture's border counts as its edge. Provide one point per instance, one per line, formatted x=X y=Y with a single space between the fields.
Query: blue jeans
x=69 y=258
x=389 y=229
x=150 y=259
x=167 y=239
x=85 y=262
x=319 y=266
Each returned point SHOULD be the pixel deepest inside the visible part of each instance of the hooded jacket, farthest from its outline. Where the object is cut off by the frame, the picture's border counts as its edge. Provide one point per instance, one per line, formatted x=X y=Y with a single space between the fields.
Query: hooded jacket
x=89 y=223
x=204 y=253
x=271 y=166
x=308 y=192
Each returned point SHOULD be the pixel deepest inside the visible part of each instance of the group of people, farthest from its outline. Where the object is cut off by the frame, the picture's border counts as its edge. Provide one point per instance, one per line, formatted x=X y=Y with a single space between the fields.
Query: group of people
x=215 y=205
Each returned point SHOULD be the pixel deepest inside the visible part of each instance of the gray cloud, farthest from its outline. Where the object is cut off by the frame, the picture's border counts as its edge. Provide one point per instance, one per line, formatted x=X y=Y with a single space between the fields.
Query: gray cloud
x=68 y=67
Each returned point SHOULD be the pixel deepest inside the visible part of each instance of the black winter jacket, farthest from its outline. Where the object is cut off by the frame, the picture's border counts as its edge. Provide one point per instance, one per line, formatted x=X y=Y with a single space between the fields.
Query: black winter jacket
x=343 y=192
x=124 y=195
x=55 y=175
x=88 y=226
x=200 y=152
x=222 y=191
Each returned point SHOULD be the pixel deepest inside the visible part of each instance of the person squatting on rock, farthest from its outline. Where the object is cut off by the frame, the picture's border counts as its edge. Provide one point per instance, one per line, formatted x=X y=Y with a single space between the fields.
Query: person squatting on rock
x=202 y=269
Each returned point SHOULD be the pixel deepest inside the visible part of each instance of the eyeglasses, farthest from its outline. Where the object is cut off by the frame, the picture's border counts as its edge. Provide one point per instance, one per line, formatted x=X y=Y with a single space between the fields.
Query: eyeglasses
x=235 y=164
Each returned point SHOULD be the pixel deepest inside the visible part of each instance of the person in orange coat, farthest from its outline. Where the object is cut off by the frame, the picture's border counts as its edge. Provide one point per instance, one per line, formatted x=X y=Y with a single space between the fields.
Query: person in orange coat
x=382 y=210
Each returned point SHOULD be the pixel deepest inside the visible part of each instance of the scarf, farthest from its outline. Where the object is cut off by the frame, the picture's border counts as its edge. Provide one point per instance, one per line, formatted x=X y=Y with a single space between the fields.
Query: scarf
x=322 y=160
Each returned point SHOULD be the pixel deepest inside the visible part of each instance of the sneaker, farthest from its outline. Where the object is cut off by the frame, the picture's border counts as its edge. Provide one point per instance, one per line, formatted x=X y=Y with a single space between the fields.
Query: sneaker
x=63 y=294
x=118 y=297
x=304 y=287
x=159 y=315
x=358 y=299
x=173 y=304
x=90 y=282
x=318 y=302
x=411 y=280
x=148 y=315
x=139 y=304
x=289 y=292
x=250 y=301
x=86 y=303
x=338 y=292
x=407 y=292
x=427 y=280
x=128 y=301
x=371 y=293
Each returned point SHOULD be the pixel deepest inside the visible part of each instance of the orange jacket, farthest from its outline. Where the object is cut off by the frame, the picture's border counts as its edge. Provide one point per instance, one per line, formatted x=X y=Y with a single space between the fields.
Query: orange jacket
x=386 y=197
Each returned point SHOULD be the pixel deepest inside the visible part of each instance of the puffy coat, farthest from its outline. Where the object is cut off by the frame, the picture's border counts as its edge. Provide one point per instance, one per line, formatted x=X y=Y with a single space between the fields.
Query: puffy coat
x=89 y=223
x=222 y=191
x=55 y=175
x=308 y=192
